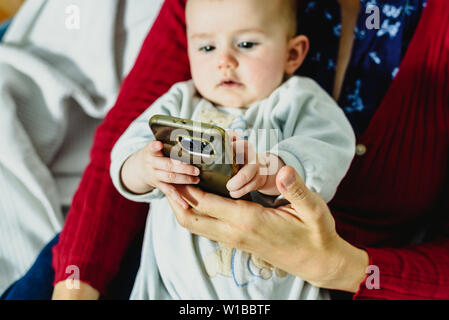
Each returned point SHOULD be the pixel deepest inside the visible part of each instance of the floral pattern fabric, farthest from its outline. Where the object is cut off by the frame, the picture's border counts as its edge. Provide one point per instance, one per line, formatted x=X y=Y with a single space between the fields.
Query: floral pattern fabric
x=377 y=53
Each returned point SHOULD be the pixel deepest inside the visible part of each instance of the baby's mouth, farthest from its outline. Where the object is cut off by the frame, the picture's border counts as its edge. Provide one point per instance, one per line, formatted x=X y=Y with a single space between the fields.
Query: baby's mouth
x=230 y=84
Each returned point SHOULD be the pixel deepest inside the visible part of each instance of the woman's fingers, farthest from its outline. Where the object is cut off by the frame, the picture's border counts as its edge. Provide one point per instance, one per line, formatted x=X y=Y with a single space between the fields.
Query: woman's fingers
x=172 y=193
x=239 y=224
x=212 y=205
x=202 y=225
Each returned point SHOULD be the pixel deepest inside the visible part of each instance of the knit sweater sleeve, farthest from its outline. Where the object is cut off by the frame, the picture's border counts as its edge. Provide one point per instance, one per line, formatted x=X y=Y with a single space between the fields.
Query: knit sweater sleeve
x=101 y=224
x=415 y=272
x=420 y=270
x=407 y=273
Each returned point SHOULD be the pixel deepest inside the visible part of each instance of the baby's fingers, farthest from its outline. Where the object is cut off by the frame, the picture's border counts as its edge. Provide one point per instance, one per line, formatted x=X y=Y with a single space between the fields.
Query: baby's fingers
x=175 y=166
x=233 y=136
x=242 y=178
x=155 y=148
x=244 y=152
x=175 y=178
x=253 y=185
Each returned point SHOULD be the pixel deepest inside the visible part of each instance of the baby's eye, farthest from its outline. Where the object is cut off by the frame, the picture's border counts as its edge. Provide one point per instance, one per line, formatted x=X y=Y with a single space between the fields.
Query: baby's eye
x=247 y=45
x=207 y=48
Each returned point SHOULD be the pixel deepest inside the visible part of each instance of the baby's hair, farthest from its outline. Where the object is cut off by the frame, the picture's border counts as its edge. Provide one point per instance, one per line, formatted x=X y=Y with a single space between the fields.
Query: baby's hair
x=290 y=11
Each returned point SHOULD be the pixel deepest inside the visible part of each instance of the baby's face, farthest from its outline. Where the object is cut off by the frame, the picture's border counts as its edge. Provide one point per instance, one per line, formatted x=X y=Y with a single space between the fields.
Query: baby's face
x=238 y=49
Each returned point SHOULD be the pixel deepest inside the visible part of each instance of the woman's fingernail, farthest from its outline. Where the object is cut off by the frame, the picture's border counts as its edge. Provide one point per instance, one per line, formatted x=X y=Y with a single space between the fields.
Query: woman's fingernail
x=288 y=181
x=182 y=204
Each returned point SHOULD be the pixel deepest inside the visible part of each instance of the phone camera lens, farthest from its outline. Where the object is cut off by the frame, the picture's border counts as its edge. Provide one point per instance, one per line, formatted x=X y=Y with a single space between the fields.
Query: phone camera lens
x=196 y=146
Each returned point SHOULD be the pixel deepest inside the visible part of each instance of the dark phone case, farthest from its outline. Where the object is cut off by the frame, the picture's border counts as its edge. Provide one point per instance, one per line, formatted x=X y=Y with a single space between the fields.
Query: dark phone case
x=203 y=145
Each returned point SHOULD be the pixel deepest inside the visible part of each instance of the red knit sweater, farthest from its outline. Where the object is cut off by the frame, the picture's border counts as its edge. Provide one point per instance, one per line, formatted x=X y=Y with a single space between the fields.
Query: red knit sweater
x=391 y=192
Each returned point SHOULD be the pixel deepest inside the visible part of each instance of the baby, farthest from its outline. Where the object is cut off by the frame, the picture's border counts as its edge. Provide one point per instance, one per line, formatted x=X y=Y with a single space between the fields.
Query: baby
x=243 y=54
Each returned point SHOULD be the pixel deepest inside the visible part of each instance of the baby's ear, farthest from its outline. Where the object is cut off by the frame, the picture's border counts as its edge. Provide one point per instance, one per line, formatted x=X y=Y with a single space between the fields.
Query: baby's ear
x=297 y=51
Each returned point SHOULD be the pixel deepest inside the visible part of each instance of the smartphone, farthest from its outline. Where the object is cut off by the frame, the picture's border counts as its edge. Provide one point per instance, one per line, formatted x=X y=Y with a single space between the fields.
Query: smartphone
x=201 y=144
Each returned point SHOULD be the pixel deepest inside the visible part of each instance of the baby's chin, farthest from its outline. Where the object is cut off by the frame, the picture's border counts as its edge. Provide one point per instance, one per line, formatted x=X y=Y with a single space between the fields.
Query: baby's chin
x=232 y=102
x=231 y=99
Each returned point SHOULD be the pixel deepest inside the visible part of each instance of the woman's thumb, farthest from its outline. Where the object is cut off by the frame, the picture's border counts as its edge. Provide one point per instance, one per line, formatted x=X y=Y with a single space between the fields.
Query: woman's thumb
x=293 y=188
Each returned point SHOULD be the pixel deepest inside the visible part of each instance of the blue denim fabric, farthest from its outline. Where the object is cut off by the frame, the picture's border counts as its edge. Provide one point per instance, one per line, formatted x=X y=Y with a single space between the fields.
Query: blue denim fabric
x=3 y=27
x=37 y=283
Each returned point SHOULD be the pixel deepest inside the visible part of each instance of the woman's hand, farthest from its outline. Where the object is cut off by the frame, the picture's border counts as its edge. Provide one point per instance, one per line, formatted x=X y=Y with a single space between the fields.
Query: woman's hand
x=84 y=292
x=299 y=238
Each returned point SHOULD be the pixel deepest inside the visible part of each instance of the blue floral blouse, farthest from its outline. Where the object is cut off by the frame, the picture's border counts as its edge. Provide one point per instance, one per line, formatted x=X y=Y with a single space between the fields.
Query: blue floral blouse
x=376 y=57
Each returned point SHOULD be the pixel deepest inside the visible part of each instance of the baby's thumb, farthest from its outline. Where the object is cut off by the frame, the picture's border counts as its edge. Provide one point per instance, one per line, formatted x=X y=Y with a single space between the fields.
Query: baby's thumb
x=233 y=135
x=155 y=147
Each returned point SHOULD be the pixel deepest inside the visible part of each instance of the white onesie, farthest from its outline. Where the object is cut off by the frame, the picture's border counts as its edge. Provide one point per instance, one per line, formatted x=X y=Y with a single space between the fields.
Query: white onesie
x=314 y=137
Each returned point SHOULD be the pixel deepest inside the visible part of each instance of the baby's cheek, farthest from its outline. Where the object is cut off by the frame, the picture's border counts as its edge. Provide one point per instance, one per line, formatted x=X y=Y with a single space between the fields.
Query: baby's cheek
x=266 y=78
x=202 y=80
x=202 y=71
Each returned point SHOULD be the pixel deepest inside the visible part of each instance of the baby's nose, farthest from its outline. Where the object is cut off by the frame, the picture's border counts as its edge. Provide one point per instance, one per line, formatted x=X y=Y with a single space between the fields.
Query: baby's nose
x=227 y=61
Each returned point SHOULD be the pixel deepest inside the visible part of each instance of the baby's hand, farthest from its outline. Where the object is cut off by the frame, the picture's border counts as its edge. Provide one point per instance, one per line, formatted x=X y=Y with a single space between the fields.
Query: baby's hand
x=149 y=168
x=258 y=173
x=252 y=176
x=161 y=169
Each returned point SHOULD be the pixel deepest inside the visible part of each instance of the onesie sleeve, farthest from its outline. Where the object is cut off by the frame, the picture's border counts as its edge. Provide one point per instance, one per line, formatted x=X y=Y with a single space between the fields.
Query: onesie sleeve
x=316 y=137
x=176 y=102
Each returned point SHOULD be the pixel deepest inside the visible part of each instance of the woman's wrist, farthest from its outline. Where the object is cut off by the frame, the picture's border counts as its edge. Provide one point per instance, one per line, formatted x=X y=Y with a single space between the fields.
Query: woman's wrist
x=350 y=264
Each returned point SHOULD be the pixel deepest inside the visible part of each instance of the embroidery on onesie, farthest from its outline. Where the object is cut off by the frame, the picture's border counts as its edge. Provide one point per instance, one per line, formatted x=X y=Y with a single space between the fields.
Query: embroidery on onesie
x=217 y=118
x=227 y=121
x=242 y=267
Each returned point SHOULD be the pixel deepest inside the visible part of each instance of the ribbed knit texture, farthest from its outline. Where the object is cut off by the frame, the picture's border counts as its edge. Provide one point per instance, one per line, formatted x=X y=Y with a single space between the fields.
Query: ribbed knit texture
x=395 y=189
x=400 y=185
x=101 y=224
